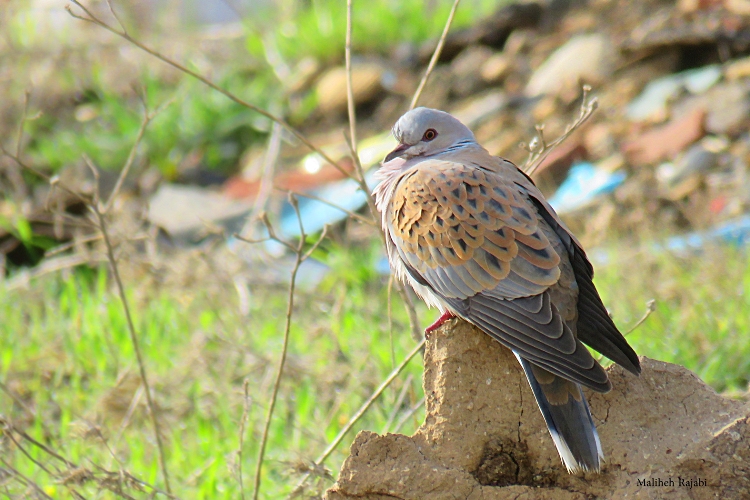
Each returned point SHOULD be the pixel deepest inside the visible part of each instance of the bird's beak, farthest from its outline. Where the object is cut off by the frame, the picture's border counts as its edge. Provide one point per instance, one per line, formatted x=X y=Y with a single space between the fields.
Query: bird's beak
x=400 y=149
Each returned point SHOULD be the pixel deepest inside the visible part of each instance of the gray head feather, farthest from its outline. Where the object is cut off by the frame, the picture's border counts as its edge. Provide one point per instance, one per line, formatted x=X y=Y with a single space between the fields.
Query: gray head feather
x=425 y=132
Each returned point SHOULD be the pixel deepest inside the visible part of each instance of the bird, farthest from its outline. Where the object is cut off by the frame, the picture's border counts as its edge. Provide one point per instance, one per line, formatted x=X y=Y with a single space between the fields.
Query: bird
x=474 y=237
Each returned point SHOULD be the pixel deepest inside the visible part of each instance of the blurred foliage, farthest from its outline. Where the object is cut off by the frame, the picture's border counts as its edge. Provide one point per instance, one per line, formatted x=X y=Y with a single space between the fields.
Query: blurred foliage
x=199 y=349
x=100 y=116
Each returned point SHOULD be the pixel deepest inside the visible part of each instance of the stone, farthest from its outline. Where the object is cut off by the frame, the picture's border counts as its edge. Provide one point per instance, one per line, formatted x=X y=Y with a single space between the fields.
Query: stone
x=666 y=141
x=187 y=213
x=494 y=69
x=728 y=109
x=587 y=59
x=484 y=438
x=331 y=87
x=653 y=102
x=738 y=69
x=466 y=78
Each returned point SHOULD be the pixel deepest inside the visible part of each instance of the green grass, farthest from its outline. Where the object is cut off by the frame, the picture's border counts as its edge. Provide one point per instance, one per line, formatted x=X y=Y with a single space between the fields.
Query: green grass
x=66 y=354
x=701 y=319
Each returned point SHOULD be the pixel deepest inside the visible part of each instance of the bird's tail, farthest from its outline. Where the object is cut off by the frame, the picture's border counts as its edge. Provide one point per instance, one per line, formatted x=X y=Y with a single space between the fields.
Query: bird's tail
x=568 y=418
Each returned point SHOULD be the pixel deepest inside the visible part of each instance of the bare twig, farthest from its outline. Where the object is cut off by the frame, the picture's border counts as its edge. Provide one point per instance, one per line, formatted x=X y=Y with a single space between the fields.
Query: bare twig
x=362 y=410
x=25 y=479
x=389 y=299
x=353 y=215
x=414 y=409
x=9 y=428
x=54 y=180
x=435 y=56
x=95 y=20
x=23 y=450
x=147 y=117
x=67 y=246
x=112 y=10
x=397 y=404
x=134 y=341
x=245 y=412
x=349 y=86
x=650 y=308
x=539 y=148
x=53 y=265
x=14 y=176
x=361 y=178
x=301 y=255
x=269 y=167
x=416 y=332
x=271 y=234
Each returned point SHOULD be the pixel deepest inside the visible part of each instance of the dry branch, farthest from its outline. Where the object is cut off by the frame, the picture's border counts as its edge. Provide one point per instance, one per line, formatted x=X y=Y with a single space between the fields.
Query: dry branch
x=435 y=56
x=538 y=148
x=123 y=34
x=300 y=256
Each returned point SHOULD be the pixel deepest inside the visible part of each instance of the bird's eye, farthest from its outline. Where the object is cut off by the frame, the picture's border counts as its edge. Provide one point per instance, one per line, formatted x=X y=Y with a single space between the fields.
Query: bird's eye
x=429 y=135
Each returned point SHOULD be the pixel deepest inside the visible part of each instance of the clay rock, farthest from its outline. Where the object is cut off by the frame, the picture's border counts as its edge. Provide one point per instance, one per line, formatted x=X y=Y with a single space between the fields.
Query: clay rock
x=585 y=58
x=331 y=87
x=665 y=435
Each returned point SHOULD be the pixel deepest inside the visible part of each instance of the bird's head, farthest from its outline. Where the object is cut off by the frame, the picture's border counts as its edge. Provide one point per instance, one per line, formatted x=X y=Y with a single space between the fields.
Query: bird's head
x=425 y=132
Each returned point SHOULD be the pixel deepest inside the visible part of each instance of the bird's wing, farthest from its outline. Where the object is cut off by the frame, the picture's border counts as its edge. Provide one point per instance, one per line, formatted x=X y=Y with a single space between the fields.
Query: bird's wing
x=594 y=326
x=477 y=241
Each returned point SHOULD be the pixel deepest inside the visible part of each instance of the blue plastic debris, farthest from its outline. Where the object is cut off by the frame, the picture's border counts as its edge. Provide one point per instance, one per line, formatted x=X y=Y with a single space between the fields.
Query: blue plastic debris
x=732 y=232
x=316 y=214
x=584 y=183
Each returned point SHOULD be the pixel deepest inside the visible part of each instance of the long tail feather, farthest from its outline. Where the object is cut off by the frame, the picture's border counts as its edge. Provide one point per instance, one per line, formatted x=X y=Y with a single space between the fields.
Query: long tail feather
x=568 y=418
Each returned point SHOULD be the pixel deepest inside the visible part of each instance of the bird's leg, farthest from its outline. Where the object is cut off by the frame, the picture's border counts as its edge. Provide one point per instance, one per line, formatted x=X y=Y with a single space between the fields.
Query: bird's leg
x=442 y=319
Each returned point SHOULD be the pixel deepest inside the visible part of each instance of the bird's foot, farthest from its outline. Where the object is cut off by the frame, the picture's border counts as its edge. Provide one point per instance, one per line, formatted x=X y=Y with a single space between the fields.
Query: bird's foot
x=437 y=324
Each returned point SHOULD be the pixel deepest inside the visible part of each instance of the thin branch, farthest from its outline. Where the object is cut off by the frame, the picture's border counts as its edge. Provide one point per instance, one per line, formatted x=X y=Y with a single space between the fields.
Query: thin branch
x=361 y=179
x=315 y=245
x=53 y=180
x=271 y=234
x=23 y=450
x=539 y=148
x=300 y=256
x=351 y=140
x=11 y=428
x=349 y=85
x=414 y=409
x=147 y=117
x=112 y=10
x=67 y=246
x=245 y=413
x=353 y=215
x=435 y=56
x=8 y=427
x=397 y=404
x=23 y=278
x=26 y=480
x=650 y=308
x=269 y=168
x=134 y=341
x=95 y=20
x=19 y=141
x=362 y=410
x=19 y=185
x=416 y=332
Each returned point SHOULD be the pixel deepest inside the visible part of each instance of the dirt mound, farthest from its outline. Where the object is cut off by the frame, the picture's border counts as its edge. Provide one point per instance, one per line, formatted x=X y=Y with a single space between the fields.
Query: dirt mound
x=664 y=435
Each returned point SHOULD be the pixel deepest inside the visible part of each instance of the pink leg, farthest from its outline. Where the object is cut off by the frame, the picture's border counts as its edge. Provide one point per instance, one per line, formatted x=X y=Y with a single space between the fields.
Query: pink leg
x=442 y=319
